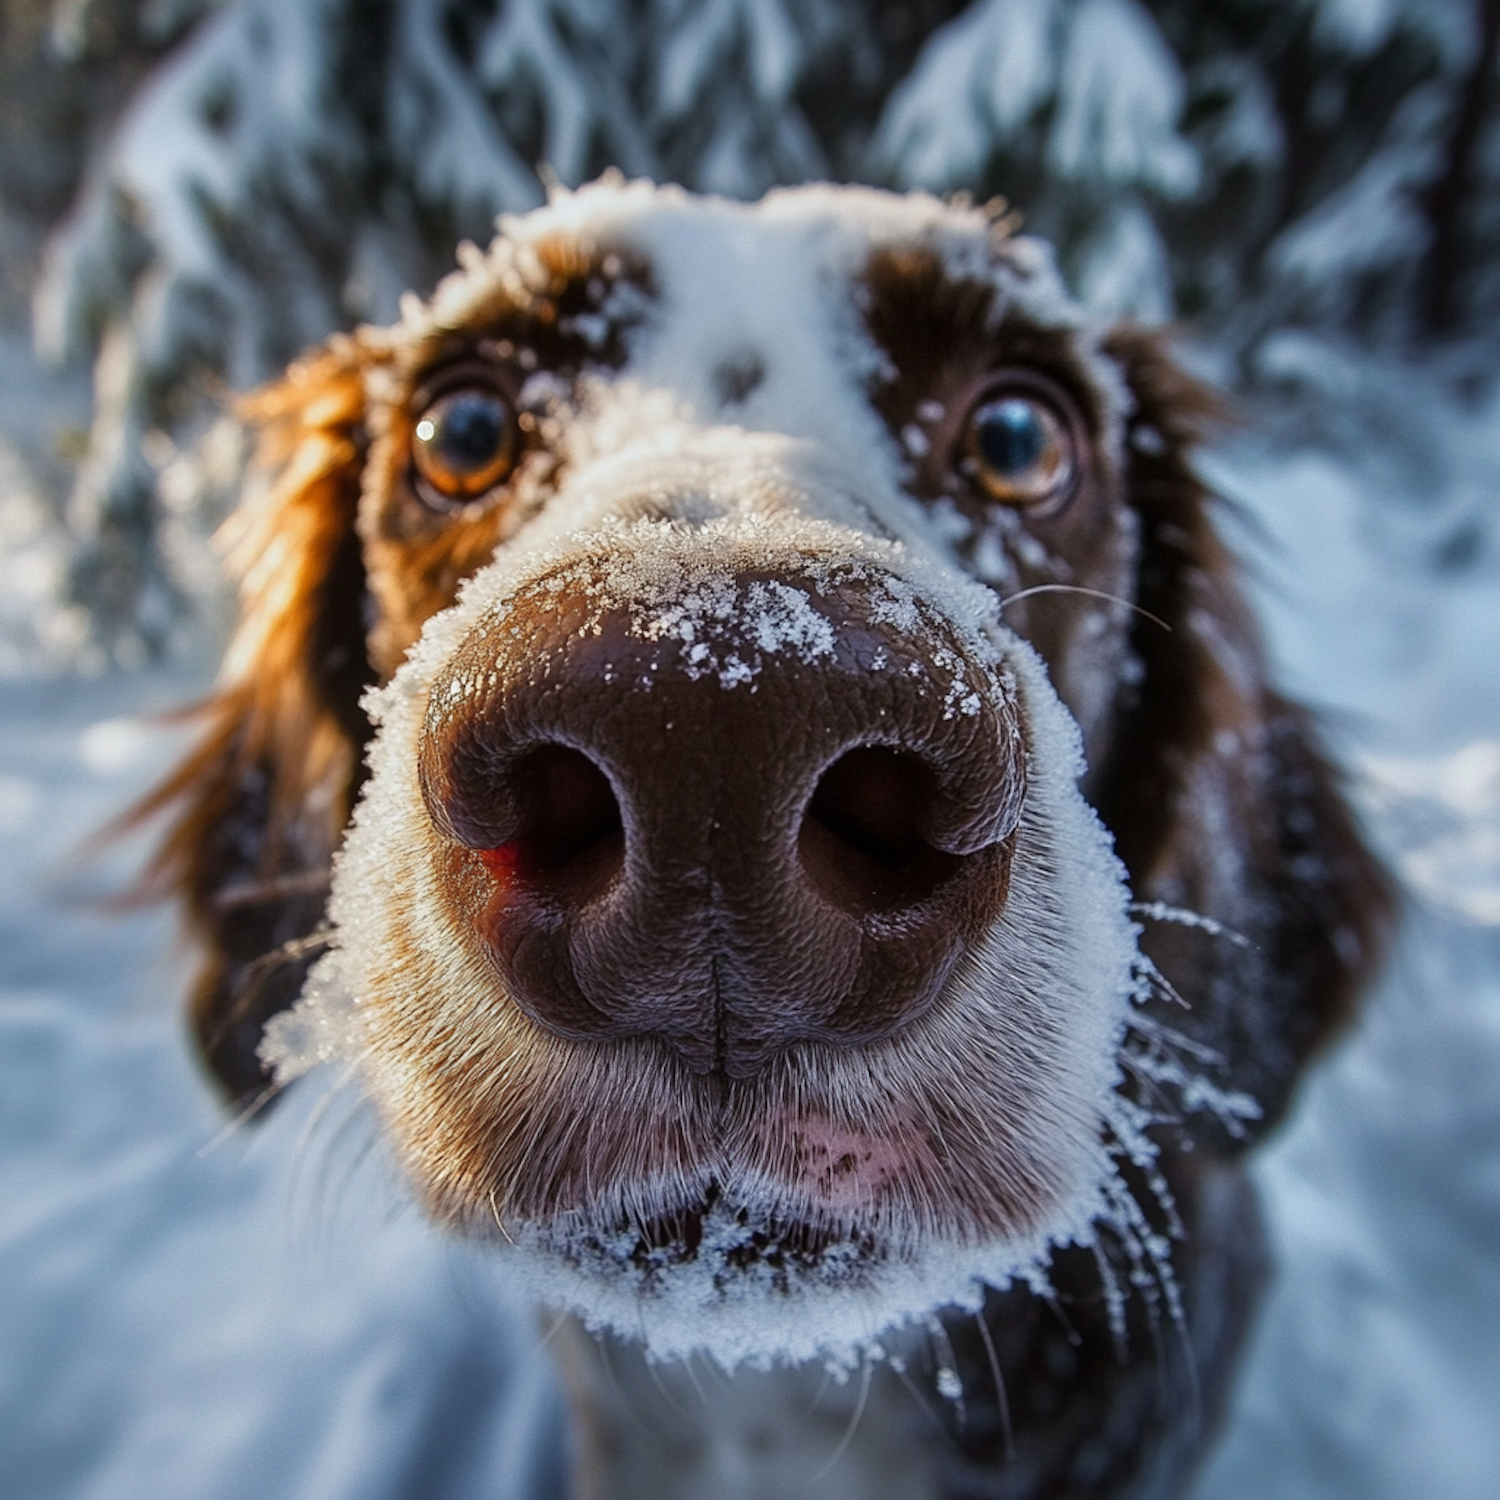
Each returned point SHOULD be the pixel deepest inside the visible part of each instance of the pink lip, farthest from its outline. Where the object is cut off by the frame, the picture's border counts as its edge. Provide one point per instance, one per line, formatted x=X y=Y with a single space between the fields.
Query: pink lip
x=843 y=1168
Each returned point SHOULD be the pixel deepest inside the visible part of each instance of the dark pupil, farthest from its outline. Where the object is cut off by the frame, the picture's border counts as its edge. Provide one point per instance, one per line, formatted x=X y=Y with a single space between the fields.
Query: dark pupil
x=1011 y=436
x=469 y=432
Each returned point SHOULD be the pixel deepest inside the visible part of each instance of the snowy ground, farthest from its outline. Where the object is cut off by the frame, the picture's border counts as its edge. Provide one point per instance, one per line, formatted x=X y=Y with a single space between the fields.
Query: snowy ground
x=1376 y=1369
x=190 y=1316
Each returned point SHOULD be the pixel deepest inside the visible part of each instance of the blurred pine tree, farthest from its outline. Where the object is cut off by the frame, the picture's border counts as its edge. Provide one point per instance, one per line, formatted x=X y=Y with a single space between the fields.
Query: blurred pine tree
x=286 y=167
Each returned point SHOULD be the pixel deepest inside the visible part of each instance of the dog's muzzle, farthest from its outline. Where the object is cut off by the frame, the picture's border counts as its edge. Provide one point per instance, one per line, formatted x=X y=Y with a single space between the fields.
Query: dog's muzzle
x=763 y=806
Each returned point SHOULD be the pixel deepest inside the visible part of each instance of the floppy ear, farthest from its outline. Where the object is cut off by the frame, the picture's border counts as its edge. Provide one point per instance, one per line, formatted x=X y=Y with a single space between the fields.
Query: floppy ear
x=1221 y=801
x=258 y=808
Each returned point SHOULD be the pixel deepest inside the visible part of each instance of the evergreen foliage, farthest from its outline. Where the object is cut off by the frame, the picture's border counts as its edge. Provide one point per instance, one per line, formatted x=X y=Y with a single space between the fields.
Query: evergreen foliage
x=288 y=166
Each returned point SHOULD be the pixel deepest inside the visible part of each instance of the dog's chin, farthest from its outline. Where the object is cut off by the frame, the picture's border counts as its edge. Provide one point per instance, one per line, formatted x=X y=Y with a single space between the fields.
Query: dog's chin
x=742 y=1248
x=715 y=1273
x=765 y=1282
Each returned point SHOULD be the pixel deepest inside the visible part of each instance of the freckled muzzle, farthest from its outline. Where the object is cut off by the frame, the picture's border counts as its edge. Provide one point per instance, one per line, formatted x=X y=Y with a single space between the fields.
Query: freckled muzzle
x=775 y=811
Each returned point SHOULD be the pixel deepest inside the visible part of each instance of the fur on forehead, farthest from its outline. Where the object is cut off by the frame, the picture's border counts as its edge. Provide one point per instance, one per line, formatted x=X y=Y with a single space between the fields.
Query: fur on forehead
x=828 y=229
x=780 y=270
x=706 y=286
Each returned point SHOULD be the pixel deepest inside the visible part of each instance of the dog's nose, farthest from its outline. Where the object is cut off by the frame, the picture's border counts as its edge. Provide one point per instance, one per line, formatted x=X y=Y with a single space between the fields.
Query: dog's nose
x=781 y=811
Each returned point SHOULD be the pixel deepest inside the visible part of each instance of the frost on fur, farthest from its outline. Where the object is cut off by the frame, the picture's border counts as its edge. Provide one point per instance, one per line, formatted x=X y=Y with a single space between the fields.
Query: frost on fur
x=1007 y=1120
x=1063 y=964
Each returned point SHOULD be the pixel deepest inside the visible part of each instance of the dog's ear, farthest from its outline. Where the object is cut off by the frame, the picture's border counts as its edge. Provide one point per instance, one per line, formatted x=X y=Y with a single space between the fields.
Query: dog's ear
x=258 y=808
x=1220 y=799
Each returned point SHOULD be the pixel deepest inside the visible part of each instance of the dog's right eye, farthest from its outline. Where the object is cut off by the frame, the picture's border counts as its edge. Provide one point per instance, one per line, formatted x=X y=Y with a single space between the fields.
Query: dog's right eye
x=464 y=444
x=1020 y=448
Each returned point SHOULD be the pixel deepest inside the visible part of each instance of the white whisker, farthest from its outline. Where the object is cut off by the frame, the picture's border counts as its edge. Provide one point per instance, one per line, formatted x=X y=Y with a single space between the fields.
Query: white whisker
x=1002 y=1401
x=1160 y=911
x=1150 y=978
x=1076 y=588
x=236 y=1124
x=851 y=1429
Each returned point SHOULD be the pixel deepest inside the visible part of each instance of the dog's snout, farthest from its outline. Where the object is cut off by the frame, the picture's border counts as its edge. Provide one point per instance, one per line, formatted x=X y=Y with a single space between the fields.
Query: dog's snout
x=777 y=816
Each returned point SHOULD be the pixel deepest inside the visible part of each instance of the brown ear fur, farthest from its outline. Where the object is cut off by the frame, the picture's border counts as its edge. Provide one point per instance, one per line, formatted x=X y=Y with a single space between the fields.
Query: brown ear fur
x=259 y=806
x=1216 y=789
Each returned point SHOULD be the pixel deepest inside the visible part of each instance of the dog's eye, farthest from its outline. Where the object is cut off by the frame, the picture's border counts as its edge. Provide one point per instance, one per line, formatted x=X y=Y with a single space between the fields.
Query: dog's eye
x=1020 y=449
x=465 y=443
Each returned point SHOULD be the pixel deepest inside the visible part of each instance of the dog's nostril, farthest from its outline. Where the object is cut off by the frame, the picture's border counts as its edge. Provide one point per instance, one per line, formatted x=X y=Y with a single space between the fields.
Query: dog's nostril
x=566 y=832
x=861 y=840
x=567 y=813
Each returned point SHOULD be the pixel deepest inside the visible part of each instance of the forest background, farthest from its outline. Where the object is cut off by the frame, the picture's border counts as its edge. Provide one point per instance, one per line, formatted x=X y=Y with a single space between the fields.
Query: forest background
x=192 y=191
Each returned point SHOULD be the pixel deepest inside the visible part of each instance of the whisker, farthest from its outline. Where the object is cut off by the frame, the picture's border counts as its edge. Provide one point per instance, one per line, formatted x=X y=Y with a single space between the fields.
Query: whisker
x=1156 y=979
x=854 y=1421
x=1114 y=1302
x=1078 y=588
x=1179 y=1068
x=1153 y=1273
x=692 y=1374
x=655 y=1373
x=626 y=1401
x=898 y=1367
x=239 y=1121
x=559 y=1322
x=950 y=1389
x=1160 y=911
x=716 y=1375
x=250 y=981
x=1194 y=1382
x=495 y=1214
x=1168 y=1036
x=1055 y=1306
x=309 y=1130
x=1153 y=1094
x=273 y=888
x=1002 y=1401
x=315 y=1144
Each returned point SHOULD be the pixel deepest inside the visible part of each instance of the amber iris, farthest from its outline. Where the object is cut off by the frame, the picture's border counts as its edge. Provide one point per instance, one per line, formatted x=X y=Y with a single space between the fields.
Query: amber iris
x=464 y=443
x=1020 y=449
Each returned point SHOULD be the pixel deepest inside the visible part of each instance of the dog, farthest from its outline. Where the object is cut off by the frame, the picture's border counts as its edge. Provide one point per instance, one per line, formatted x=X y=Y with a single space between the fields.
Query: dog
x=743 y=735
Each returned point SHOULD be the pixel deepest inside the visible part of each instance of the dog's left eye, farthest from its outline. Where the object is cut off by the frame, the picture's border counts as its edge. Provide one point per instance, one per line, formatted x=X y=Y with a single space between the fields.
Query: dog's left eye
x=464 y=443
x=1020 y=448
